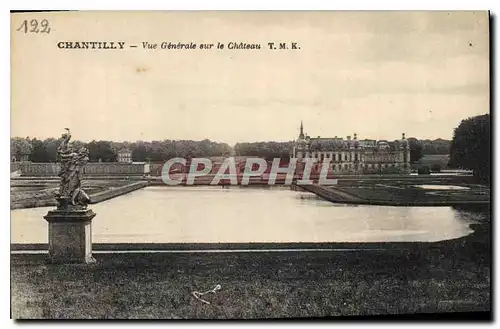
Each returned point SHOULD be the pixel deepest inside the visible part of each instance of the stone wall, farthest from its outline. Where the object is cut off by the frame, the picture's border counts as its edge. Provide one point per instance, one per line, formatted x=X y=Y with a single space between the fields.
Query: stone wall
x=91 y=169
x=39 y=169
x=156 y=168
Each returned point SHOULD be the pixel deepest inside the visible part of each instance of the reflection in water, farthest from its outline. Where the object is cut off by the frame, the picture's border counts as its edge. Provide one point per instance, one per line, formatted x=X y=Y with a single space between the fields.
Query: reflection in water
x=245 y=214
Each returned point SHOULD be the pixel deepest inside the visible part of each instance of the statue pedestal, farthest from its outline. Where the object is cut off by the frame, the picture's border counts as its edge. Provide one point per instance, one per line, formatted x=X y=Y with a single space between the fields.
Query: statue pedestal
x=70 y=236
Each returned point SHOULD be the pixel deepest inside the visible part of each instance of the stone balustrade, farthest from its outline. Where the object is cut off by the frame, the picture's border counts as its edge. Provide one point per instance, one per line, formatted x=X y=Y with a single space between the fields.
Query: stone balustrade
x=94 y=169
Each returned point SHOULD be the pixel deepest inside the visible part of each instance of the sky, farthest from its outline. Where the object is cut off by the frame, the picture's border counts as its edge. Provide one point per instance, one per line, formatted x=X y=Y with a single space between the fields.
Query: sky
x=377 y=74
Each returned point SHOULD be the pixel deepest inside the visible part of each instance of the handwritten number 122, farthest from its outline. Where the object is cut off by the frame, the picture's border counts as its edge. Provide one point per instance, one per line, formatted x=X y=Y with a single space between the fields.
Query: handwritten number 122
x=34 y=26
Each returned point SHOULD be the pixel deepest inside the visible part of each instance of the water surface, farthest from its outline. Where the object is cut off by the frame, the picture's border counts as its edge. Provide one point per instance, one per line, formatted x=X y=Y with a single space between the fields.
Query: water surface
x=247 y=214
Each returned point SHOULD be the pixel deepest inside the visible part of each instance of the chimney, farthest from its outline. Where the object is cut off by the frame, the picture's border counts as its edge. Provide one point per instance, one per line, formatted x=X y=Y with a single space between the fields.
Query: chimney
x=348 y=138
x=355 y=136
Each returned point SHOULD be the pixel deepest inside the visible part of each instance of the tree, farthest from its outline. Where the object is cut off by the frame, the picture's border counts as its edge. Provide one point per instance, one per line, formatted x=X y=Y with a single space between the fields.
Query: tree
x=39 y=153
x=20 y=148
x=51 y=145
x=101 y=150
x=140 y=151
x=470 y=147
x=76 y=144
x=437 y=146
x=267 y=150
x=415 y=149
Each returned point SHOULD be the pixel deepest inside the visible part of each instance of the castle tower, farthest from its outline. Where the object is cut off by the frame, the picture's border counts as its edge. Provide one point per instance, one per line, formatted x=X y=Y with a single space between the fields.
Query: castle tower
x=406 y=153
x=300 y=147
x=357 y=154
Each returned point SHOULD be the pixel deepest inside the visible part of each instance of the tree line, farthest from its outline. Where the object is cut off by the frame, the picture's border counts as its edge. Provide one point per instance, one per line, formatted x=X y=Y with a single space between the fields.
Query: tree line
x=37 y=150
x=267 y=150
x=469 y=148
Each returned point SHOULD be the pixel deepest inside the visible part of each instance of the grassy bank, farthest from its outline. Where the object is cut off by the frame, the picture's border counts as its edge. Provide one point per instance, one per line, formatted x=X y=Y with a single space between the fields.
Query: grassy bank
x=448 y=276
x=408 y=192
x=42 y=193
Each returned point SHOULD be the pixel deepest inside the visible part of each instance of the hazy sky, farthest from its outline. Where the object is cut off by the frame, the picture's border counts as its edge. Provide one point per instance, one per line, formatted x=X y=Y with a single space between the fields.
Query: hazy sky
x=374 y=73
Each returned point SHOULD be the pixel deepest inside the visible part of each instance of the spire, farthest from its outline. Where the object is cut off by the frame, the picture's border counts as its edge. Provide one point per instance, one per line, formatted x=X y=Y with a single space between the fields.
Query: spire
x=301 y=135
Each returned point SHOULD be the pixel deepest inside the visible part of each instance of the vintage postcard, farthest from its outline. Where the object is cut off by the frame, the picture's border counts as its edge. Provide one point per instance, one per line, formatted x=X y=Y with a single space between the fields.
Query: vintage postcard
x=250 y=165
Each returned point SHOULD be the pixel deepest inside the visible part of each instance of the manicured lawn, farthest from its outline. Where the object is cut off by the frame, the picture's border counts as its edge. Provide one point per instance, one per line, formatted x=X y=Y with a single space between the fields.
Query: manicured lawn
x=449 y=276
x=408 y=190
x=408 y=194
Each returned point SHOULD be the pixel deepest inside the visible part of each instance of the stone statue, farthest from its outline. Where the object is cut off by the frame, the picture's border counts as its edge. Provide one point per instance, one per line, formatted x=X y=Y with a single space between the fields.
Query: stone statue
x=70 y=225
x=71 y=196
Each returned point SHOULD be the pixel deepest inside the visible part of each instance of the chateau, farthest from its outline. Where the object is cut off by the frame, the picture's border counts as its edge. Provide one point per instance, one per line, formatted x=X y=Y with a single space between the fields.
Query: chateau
x=353 y=156
x=125 y=155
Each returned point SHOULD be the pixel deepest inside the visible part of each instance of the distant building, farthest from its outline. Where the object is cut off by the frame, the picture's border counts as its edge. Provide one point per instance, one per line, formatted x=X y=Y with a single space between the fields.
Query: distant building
x=353 y=156
x=125 y=156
